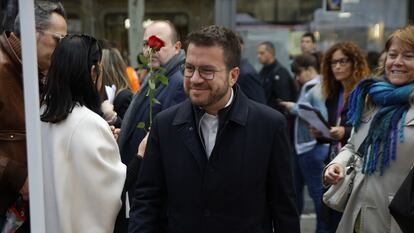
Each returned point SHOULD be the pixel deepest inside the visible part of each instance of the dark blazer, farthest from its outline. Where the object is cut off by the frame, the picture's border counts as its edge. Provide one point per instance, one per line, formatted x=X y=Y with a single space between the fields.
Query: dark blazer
x=278 y=85
x=249 y=82
x=169 y=95
x=245 y=186
x=121 y=223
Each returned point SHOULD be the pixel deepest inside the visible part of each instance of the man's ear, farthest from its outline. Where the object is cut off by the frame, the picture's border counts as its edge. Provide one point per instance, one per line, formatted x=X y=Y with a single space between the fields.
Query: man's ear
x=177 y=45
x=234 y=75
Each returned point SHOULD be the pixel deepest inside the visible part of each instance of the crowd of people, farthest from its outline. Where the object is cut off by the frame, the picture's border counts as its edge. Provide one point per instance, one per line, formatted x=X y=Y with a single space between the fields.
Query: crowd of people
x=228 y=149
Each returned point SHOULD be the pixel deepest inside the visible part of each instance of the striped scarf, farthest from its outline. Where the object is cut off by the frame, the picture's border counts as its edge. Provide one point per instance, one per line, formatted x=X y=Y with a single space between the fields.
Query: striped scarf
x=387 y=126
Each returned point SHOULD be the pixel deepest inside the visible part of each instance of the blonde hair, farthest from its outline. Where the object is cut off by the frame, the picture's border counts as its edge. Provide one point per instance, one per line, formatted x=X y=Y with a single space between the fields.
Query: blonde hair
x=114 y=70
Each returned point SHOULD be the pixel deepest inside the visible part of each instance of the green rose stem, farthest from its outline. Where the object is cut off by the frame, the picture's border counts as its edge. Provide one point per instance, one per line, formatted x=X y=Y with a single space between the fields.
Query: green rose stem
x=151 y=83
x=155 y=44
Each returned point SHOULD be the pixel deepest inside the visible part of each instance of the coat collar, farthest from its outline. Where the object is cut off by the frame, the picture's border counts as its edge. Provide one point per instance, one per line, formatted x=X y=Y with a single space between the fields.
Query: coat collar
x=13 y=46
x=186 y=123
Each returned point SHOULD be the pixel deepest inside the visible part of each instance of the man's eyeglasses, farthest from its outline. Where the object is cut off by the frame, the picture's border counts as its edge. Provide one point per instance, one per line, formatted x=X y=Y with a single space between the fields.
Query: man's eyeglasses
x=58 y=37
x=341 y=62
x=206 y=73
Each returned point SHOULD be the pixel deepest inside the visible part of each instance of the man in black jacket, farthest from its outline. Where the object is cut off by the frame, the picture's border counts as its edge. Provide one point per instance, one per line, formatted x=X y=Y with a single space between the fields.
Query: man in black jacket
x=276 y=79
x=217 y=162
x=170 y=57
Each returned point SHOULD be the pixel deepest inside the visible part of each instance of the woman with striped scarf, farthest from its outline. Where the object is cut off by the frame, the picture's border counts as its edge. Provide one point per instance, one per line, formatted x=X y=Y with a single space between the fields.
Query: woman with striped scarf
x=382 y=115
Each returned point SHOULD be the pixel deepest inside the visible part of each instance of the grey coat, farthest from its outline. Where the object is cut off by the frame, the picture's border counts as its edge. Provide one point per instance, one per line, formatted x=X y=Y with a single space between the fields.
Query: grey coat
x=373 y=193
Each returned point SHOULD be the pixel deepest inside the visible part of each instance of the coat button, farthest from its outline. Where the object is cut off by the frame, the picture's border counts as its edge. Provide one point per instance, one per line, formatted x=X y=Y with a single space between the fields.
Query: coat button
x=11 y=136
x=206 y=213
x=190 y=128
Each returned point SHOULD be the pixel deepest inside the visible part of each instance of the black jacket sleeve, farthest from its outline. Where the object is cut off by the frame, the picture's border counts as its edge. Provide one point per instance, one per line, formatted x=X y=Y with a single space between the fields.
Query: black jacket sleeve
x=149 y=197
x=282 y=195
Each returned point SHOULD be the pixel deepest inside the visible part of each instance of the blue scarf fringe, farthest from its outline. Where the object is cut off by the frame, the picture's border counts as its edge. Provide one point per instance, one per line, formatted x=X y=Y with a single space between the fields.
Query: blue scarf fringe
x=387 y=127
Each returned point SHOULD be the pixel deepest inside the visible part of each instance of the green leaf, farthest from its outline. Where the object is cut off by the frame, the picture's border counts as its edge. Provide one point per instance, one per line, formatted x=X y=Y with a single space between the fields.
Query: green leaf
x=161 y=70
x=141 y=125
x=142 y=59
x=163 y=79
x=151 y=83
x=156 y=101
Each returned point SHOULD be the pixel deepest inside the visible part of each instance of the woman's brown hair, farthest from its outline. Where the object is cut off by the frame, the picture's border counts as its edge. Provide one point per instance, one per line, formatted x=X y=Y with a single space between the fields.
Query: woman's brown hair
x=114 y=70
x=359 y=70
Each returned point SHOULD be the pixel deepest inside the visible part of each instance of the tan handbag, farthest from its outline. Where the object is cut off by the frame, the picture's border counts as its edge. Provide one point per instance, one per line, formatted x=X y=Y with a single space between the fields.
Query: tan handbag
x=338 y=194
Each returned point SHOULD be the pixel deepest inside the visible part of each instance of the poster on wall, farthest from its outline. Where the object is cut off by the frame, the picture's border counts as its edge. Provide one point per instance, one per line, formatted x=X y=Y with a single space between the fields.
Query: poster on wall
x=333 y=5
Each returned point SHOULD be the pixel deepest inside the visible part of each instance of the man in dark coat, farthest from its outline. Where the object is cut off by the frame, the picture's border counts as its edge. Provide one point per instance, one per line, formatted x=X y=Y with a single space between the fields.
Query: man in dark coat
x=50 y=28
x=170 y=57
x=218 y=162
x=276 y=79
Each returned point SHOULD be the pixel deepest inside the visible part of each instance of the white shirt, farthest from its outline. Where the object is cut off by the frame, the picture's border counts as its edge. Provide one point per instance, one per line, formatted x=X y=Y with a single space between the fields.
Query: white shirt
x=209 y=127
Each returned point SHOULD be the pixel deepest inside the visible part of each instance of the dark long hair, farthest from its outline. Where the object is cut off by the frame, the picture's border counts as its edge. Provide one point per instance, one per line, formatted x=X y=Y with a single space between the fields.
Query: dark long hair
x=69 y=81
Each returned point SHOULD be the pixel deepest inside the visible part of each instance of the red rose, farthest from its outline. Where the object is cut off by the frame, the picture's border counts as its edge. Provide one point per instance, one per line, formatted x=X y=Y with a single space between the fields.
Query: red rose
x=155 y=43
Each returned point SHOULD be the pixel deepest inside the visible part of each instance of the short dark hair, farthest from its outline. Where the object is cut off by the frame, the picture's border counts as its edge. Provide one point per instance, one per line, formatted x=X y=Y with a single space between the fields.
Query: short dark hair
x=302 y=62
x=43 y=11
x=269 y=47
x=69 y=80
x=310 y=35
x=218 y=36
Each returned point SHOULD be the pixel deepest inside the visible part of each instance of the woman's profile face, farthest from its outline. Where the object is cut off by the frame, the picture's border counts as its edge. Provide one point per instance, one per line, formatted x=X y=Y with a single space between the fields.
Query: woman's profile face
x=399 y=63
x=341 y=66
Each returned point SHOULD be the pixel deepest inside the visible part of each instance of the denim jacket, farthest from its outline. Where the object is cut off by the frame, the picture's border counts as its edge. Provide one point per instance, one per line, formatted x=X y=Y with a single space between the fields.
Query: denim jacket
x=310 y=94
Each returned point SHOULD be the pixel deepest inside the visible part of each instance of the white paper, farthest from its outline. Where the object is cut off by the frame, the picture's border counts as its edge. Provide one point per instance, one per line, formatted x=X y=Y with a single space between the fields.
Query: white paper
x=110 y=93
x=311 y=116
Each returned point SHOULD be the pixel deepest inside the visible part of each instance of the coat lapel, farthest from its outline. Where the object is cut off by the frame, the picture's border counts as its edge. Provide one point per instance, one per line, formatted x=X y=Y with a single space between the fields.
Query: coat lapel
x=409 y=119
x=188 y=133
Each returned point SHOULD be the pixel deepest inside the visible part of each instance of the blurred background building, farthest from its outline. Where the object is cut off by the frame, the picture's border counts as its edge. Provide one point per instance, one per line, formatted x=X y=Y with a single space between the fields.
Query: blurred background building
x=366 y=22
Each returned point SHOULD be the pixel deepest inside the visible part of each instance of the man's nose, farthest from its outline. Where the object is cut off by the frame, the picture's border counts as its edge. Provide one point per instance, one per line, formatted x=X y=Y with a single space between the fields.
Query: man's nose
x=196 y=77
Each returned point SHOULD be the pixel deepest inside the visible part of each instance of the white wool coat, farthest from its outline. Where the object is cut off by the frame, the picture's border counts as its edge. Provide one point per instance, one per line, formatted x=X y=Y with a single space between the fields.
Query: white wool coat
x=83 y=174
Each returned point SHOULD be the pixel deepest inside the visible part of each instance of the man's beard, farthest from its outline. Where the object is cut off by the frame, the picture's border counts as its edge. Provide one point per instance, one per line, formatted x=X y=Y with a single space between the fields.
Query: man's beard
x=212 y=98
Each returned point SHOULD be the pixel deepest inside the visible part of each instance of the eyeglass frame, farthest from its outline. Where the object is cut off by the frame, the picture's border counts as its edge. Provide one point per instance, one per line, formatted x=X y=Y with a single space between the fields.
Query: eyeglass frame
x=58 y=37
x=184 y=68
x=342 y=62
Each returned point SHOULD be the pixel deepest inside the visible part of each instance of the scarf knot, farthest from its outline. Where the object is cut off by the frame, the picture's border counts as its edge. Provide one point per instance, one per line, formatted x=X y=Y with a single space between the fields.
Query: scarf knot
x=387 y=126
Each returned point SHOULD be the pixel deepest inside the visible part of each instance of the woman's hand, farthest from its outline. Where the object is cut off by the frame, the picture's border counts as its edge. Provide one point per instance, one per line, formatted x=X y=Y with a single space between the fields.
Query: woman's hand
x=337 y=132
x=287 y=105
x=315 y=133
x=108 y=112
x=115 y=131
x=333 y=174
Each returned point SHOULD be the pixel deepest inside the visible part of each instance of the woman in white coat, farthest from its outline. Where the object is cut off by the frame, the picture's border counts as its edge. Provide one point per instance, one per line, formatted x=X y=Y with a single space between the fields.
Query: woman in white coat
x=382 y=115
x=83 y=173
